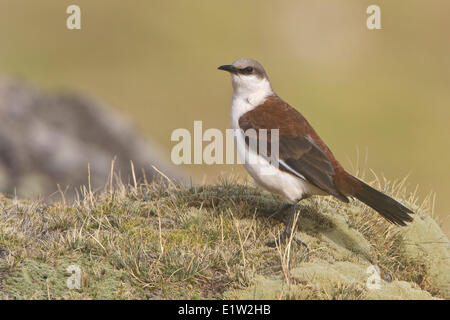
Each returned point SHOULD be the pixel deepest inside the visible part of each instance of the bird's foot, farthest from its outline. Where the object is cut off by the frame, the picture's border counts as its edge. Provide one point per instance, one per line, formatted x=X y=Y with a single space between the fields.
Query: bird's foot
x=284 y=238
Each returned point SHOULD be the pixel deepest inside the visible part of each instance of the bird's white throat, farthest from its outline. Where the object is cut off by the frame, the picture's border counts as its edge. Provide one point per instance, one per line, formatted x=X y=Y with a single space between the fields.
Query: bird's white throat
x=248 y=92
x=251 y=88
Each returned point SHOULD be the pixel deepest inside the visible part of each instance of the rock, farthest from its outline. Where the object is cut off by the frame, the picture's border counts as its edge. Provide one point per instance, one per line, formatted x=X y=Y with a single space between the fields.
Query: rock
x=48 y=139
x=425 y=240
x=344 y=268
x=340 y=280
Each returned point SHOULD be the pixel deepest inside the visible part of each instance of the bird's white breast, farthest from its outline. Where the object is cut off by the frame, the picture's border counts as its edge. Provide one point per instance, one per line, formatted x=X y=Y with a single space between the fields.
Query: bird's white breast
x=264 y=173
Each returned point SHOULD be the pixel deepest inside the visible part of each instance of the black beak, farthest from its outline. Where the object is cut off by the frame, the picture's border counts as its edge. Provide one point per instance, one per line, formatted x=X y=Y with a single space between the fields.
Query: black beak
x=228 y=67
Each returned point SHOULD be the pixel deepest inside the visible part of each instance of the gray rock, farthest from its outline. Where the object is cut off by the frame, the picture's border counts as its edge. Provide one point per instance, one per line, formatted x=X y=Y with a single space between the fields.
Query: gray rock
x=48 y=139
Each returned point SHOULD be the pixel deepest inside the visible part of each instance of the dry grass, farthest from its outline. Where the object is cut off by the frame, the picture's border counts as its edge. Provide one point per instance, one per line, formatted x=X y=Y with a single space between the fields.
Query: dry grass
x=164 y=241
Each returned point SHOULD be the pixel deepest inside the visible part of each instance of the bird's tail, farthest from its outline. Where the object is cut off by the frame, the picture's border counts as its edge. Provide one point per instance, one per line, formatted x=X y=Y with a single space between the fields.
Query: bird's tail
x=389 y=208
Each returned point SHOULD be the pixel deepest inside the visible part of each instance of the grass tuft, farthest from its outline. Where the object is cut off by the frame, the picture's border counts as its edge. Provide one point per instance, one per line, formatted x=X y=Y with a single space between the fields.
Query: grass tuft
x=161 y=240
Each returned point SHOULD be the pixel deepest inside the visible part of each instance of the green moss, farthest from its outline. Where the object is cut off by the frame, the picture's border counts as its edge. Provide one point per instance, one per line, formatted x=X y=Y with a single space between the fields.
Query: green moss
x=323 y=280
x=39 y=280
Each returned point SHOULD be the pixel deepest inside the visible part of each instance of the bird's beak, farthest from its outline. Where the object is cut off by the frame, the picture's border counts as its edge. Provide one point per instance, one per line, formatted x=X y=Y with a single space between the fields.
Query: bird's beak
x=228 y=67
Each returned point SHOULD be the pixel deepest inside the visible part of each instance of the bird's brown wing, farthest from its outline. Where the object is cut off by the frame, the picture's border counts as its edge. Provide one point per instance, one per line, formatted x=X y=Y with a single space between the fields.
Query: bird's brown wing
x=301 y=152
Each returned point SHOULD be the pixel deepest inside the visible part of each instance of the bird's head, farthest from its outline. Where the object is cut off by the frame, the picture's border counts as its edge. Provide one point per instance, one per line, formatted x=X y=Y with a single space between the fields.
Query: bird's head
x=248 y=77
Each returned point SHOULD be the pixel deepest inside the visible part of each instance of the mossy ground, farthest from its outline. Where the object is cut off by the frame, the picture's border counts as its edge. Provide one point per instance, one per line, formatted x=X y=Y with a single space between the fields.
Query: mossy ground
x=163 y=241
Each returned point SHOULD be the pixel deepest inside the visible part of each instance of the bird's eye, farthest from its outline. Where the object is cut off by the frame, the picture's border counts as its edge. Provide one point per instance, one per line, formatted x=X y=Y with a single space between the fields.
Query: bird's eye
x=248 y=70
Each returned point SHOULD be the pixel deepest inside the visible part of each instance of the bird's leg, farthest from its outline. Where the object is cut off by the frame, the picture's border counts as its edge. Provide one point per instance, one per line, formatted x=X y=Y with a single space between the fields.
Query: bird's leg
x=289 y=222
x=290 y=228
x=279 y=214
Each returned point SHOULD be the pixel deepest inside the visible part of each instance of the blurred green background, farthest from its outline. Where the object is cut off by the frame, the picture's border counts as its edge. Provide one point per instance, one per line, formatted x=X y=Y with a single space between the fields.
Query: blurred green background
x=387 y=91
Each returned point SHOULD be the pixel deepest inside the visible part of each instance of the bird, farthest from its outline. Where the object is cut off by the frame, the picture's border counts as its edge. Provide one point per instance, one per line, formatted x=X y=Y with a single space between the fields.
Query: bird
x=304 y=166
